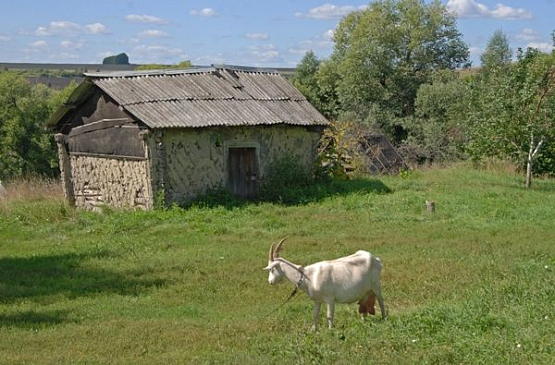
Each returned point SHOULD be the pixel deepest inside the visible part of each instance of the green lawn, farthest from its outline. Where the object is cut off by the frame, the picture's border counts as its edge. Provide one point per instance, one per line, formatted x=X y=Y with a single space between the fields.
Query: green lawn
x=473 y=283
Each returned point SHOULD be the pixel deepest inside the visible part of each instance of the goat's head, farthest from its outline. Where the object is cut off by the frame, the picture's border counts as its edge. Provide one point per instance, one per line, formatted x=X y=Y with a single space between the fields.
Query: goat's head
x=274 y=265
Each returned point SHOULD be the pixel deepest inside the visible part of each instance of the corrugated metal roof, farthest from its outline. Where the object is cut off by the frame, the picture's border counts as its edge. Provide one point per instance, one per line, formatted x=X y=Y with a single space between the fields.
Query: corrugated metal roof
x=204 y=97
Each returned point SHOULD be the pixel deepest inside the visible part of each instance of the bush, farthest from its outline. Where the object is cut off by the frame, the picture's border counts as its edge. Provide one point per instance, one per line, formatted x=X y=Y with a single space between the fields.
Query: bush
x=286 y=181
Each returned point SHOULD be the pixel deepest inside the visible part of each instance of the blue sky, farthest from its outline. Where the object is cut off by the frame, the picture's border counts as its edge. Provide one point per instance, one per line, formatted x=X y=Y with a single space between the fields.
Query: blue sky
x=241 y=32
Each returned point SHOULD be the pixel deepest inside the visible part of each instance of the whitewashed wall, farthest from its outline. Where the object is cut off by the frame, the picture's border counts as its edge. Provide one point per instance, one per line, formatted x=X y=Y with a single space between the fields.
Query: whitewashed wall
x=187 y=162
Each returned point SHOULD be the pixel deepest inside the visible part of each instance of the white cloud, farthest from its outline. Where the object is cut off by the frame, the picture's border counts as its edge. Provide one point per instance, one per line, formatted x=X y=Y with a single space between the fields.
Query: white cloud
x=38 y=44
x=4 y=38
x=264 y=53
x=36 y=48
x=103 y=55
x=157 y=54
x=207 y=12
x=129 y=41
x=506 y=12
x=320 y=42
x=474 y=9
x=71 y=45
x=257 y=36
x=209 y=59
x=475 y=51
x=528 y=35
x=66 y=56
x=467 y=8
x=328 y=35
x=96 y=28
x=58 y=28
x=153 y=33
x=149 y=19
x=329 y=11
x=543 y=47
x=66 y=28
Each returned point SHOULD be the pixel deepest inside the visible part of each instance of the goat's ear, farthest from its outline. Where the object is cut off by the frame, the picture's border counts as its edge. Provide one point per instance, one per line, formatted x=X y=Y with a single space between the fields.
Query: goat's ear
x=271 y=265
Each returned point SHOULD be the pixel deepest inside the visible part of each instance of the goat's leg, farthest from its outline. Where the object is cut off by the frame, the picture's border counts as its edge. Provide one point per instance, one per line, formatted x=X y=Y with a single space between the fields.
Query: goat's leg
x=382 y=305
x=378 y=292
x=370 y=303
x=330 y=312
x=315 y=315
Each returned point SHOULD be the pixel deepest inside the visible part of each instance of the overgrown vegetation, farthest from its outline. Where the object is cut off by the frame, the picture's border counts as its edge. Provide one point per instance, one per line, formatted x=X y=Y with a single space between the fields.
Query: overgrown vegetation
x=472 y=283
x=398 y=67
x=289 y=183
x=26 y=147
x=286 y=181
x=513 y=110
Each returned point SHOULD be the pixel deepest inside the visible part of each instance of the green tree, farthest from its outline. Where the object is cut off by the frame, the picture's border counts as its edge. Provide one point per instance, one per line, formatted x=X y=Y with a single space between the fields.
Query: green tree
x=26 y=147
x=305 y=78
x=513 y=114
x=120 y=59
x=384 y=53
x=497 y=53
x=327 y=80
x=435 y=132
x=314 y=80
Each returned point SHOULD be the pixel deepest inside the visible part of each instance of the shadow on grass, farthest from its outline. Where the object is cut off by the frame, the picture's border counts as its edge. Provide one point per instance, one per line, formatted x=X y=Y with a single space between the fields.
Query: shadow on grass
x=47 y=279
x=34 y=319
x=293 y=195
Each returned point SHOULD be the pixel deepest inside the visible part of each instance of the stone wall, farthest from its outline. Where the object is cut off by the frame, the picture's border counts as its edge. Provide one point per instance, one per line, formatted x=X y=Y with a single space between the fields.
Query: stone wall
x=115 y=182
x=187 y=162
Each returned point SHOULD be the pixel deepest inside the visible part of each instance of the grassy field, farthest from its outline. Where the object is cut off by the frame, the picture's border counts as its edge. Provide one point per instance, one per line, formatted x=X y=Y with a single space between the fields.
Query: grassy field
x=473 y=283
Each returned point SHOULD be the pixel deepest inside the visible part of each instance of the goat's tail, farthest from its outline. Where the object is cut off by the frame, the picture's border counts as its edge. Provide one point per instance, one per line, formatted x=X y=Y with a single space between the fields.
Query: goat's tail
x=377 y=262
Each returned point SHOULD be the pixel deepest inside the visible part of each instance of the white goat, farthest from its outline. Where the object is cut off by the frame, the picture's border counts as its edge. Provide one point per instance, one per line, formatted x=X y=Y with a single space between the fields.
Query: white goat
x=344 y=280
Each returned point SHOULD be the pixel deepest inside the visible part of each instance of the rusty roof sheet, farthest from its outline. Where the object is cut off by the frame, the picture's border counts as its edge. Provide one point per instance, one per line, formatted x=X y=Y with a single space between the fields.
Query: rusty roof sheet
x=208 y=97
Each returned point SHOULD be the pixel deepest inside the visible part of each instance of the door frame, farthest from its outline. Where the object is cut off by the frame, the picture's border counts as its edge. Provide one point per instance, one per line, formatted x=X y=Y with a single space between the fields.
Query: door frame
x=241 y=144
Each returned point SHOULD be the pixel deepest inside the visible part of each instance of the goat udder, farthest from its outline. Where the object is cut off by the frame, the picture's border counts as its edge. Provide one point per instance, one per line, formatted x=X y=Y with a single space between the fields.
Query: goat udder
x=367 y=306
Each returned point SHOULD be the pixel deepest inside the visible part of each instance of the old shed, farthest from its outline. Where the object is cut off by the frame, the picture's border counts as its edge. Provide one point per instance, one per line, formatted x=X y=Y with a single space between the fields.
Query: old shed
x=126 y=139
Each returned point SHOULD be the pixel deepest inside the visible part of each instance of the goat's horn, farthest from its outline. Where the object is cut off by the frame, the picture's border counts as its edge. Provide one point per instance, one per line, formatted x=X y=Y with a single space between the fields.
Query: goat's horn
x=278 y=247
x=271 y=258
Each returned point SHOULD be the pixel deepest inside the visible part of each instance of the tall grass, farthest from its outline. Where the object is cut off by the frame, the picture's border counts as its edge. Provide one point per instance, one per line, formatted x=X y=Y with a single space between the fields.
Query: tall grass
x=472 y=283
x=34 y=199
x=32 y=189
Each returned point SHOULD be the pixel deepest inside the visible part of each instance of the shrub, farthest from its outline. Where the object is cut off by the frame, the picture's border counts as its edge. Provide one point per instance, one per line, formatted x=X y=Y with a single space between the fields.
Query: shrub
x=286 y=181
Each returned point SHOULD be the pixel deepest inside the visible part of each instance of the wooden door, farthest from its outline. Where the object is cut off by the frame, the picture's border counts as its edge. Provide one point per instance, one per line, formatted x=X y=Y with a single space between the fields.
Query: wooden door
x=242 y=171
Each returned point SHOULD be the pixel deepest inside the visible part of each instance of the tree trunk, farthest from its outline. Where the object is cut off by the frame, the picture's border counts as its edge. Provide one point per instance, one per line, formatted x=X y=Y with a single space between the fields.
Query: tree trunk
x=532 y=152
x=529 y=171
